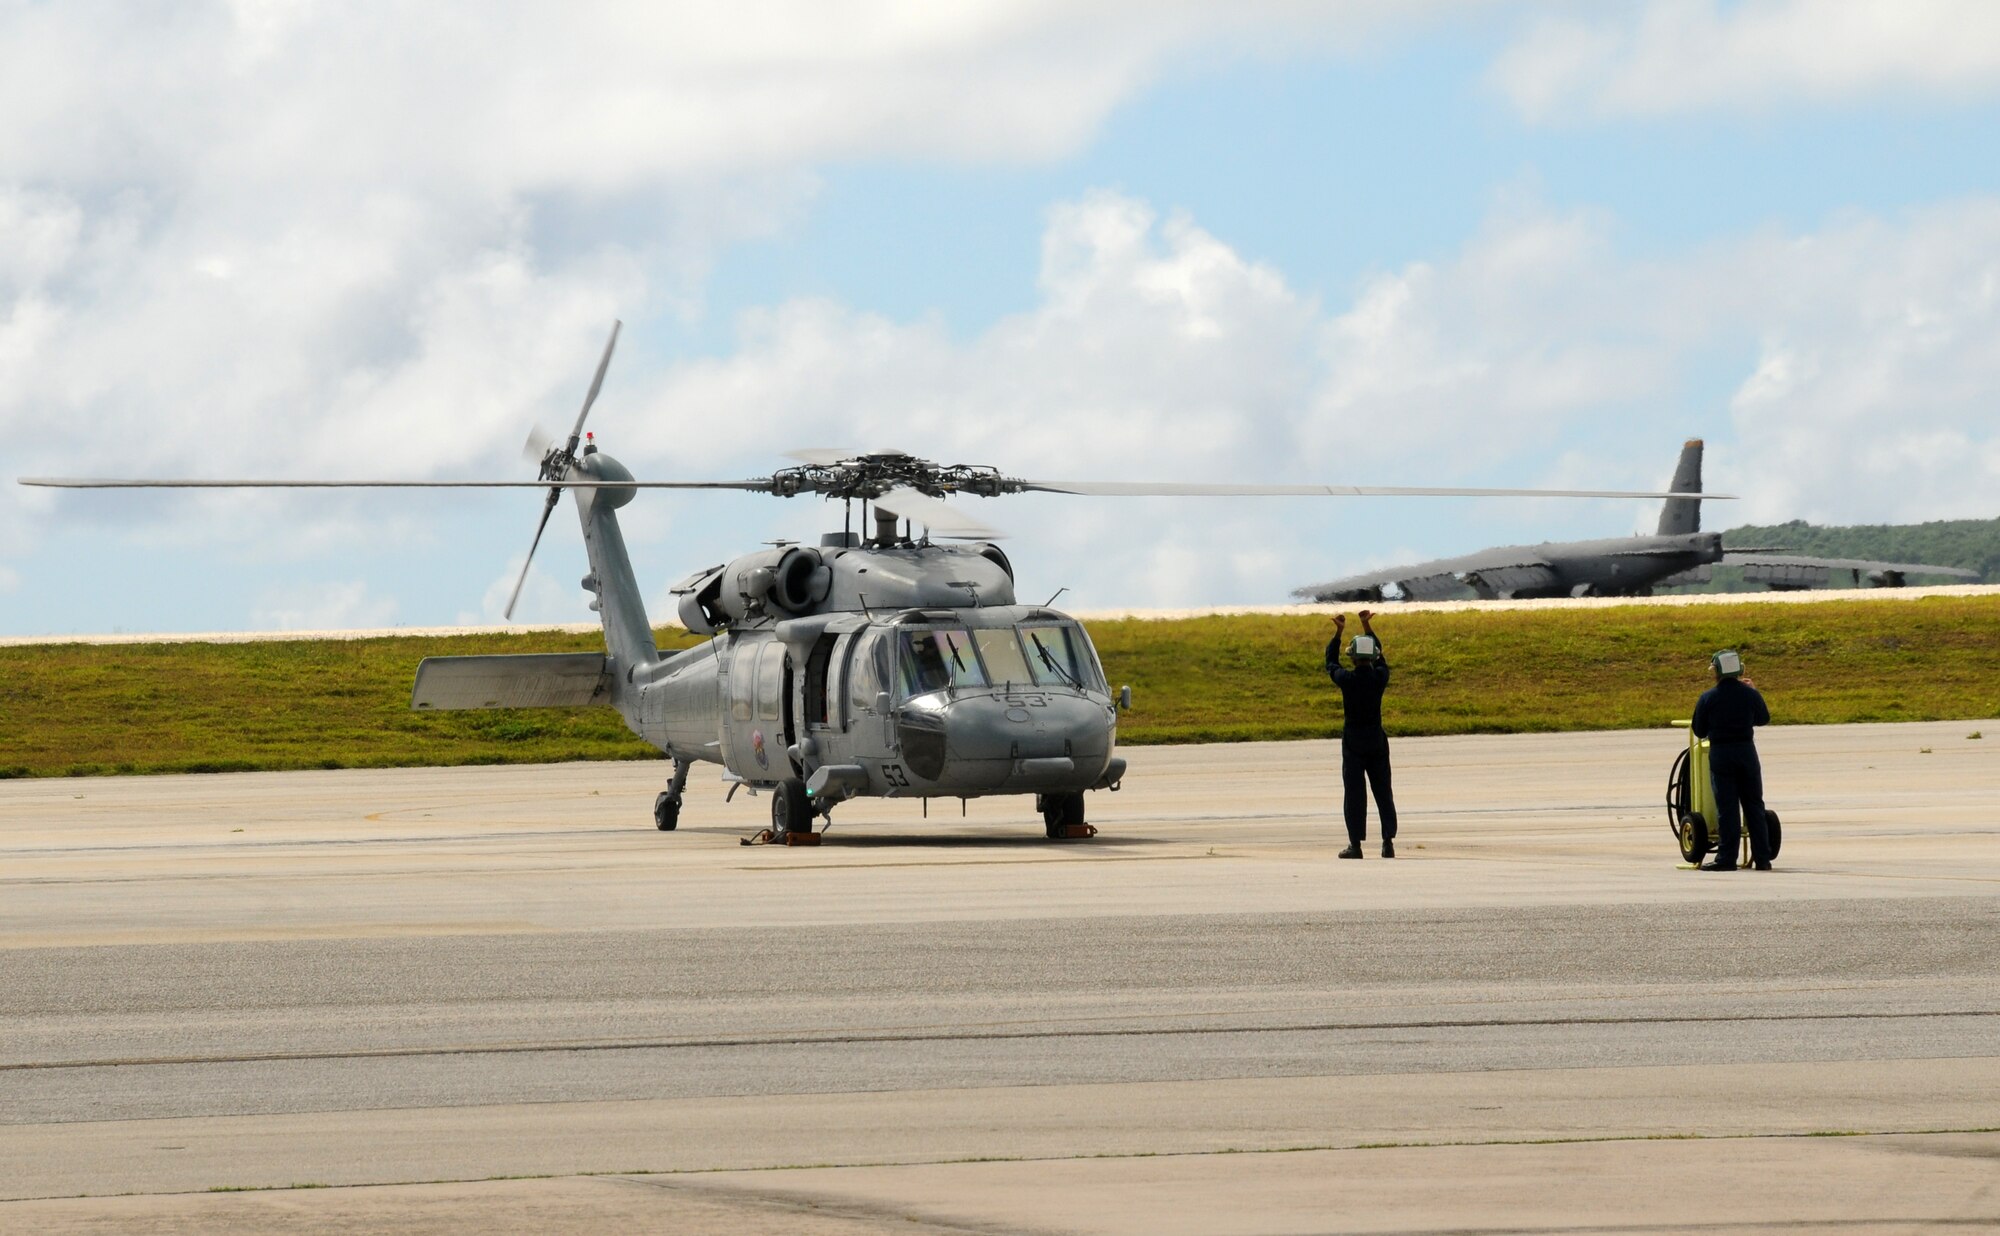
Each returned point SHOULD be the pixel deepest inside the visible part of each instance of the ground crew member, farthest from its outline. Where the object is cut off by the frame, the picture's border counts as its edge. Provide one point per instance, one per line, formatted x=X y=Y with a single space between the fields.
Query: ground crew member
x=1727 y=715
x=1364 y=745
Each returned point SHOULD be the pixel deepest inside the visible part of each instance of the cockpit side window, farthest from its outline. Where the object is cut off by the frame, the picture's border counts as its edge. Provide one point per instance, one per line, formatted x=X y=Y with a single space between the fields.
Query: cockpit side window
x=939 y=659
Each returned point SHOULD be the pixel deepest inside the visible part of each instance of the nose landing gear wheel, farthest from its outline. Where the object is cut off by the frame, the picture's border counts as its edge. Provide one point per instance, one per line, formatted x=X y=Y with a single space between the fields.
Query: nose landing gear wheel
x=666 y=812
x=1060 y=814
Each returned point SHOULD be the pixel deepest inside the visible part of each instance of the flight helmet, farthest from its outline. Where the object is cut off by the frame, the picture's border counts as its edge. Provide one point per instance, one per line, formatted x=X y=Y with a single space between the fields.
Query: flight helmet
x=1727 y=664
x=1363 y=648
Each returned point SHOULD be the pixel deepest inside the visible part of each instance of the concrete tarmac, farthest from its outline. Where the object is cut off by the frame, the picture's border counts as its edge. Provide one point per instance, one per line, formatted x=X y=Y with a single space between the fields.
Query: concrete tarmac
x=403 y=985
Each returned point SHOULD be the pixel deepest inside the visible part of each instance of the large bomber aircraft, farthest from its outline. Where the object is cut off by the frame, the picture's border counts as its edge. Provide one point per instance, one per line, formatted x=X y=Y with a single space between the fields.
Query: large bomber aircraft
x=1678 y=553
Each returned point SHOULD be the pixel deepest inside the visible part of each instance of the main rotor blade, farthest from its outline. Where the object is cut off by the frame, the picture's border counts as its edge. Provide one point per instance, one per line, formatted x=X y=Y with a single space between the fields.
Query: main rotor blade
x=1177 y=489
x=596 y=384
x=939 y=516
x=754 y=485
x=824 y=456
x=536 y=448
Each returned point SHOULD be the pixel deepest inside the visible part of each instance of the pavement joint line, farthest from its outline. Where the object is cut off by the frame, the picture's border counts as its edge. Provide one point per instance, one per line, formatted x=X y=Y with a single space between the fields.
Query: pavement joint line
x=1104 y=1156
x=978 y=1036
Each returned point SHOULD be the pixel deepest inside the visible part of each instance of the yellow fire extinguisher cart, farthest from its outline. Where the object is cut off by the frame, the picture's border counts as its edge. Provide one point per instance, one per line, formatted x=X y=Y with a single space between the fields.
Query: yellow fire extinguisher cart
x=1691 y=804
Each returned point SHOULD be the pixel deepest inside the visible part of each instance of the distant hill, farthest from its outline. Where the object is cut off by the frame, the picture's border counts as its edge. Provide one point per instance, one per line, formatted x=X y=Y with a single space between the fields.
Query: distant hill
x=1970 y=543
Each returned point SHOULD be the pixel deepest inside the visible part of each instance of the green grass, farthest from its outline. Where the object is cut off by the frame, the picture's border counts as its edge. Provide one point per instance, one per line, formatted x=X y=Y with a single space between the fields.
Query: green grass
x=76 y=709
x=1509 y=671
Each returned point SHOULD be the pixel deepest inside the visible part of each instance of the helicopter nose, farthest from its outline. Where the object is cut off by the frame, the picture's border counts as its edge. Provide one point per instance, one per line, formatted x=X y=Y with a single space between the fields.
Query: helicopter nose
x=1027 y=741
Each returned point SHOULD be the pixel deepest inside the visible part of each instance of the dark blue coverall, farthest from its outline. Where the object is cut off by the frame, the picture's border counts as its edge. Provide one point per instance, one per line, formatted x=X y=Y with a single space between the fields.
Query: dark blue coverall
x=1364 y=745
x=1727 y=715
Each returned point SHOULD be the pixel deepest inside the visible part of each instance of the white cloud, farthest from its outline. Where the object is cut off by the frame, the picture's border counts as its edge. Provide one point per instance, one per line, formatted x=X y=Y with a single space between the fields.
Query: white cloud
x=322 y=607
x=316 y=239
x=1157 y=352
x=309 y=238
x=543 y=600
x=1670 y=56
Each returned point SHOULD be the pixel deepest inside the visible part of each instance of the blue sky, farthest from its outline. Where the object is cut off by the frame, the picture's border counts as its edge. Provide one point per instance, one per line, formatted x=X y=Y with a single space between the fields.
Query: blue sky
x=1499 y=244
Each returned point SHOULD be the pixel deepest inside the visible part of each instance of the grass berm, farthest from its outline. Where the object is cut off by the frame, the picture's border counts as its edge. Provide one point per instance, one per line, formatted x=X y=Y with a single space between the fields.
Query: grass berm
x=85 y=709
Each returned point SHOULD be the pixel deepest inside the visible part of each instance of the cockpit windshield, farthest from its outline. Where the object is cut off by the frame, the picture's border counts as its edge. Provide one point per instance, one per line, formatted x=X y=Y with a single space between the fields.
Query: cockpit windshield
x=1051 y=654
x=939 y=659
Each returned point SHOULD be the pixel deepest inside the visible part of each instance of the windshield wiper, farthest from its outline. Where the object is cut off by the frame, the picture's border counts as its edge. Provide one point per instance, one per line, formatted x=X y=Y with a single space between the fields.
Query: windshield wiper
x=1050 y=661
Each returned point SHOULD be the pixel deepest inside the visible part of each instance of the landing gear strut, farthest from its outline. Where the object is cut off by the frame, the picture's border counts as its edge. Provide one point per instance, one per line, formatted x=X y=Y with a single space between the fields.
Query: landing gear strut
x=667 y=807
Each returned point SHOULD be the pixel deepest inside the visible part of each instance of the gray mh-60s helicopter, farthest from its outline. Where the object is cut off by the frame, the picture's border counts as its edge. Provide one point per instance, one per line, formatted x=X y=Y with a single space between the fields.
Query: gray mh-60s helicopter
x=890 y=665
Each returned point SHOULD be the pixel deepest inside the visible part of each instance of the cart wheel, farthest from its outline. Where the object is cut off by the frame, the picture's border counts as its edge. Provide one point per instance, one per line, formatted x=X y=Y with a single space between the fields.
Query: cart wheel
x=1693 y=837
x=1772 y=831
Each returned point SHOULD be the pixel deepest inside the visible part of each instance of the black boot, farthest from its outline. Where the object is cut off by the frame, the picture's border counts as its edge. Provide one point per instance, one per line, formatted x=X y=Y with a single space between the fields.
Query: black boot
x=1388 y=848
x=1353 y=850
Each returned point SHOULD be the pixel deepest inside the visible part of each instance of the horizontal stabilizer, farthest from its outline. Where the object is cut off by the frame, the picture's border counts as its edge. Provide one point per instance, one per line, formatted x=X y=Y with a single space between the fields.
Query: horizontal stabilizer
x=530 y=680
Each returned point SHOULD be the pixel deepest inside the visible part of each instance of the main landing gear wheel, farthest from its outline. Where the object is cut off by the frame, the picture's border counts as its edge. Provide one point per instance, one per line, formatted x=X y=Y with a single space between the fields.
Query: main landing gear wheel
x=1060 y=813
x=1693 y=835
x=666 y=812
x=1773 y=831
x=791 y=808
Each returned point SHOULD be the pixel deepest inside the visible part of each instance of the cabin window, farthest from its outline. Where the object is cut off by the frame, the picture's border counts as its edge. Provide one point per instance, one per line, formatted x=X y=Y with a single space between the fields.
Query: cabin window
x=742 y=682
x=1000 y=648
x=938 y=660
x=864 y=675
x=771 y=682
x=819 y=667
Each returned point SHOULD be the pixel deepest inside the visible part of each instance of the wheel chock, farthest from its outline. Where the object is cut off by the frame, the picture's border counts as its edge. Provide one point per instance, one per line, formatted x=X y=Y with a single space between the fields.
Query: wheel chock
x=1077 y=832
x=767 y=836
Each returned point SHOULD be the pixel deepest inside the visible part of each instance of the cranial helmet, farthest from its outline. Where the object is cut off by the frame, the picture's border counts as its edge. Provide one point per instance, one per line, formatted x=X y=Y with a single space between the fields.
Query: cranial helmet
x=1363 y=648
x=1727 y=664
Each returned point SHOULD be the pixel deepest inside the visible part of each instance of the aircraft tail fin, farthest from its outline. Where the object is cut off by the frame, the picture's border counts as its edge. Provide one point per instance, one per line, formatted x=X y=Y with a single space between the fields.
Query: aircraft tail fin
x=628 y=637
x=1679 y=516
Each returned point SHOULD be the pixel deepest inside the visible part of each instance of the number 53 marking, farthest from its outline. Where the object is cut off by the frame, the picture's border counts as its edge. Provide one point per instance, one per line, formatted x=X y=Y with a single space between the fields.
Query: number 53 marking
x=894 y=775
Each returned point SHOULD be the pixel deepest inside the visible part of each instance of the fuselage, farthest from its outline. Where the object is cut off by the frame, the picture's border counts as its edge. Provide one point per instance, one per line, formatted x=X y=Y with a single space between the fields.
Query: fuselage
x=1619 y=566
x=936 y=699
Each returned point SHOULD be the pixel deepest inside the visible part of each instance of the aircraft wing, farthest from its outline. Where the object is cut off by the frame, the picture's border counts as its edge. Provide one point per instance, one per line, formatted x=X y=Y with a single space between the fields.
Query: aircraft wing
x=524 y=680
x=1795 y=571
x=1503 y=570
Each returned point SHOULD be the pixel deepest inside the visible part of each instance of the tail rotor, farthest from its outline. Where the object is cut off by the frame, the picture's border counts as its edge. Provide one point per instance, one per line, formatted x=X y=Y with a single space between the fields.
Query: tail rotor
x=556 y=462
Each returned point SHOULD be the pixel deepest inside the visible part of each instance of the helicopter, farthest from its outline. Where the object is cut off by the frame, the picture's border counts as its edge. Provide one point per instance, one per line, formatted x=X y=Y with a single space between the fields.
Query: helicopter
x=882 y=663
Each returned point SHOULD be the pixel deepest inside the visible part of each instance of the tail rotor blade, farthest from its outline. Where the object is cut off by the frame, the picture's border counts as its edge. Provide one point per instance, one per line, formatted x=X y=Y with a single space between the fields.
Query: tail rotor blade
x=547 y=509
x=558 y=467
x=596 y=384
